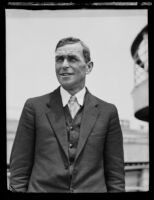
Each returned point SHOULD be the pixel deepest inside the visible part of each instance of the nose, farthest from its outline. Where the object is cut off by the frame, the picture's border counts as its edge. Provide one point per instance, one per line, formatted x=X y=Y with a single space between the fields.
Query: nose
x=65 y=63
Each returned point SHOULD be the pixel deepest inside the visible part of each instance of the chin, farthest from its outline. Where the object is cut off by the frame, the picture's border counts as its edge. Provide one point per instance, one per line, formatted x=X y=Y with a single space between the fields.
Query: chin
x=67 y=86
x=65 y=82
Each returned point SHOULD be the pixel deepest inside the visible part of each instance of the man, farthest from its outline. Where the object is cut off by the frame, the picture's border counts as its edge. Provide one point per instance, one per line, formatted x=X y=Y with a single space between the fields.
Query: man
x=68 y=140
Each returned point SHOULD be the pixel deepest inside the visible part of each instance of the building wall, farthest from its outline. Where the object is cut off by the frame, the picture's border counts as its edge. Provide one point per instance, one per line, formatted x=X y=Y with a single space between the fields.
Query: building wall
x=137 y=180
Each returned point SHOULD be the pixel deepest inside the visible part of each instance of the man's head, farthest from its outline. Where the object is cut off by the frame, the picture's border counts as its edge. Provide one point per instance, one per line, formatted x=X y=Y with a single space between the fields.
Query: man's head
x=71 y=40
x=73 y=63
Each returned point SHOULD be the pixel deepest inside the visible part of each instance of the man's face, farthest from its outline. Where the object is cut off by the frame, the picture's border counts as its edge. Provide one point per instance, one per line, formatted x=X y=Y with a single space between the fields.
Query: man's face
x=70 y=66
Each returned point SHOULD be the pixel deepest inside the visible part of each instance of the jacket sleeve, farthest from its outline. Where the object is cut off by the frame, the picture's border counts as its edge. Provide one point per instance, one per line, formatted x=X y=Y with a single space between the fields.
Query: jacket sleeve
x=114 y=155
x=22 y=155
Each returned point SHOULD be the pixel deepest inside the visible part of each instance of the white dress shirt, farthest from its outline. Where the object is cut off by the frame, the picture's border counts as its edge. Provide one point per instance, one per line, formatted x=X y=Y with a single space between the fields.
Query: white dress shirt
x=66 y=96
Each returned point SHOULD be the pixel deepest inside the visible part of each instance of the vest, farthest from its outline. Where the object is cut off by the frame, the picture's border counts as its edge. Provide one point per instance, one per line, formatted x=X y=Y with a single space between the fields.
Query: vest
x=73 y=132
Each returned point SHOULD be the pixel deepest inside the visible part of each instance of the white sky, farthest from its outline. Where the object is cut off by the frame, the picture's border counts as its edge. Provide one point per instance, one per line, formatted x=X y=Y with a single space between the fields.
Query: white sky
x=31 y=37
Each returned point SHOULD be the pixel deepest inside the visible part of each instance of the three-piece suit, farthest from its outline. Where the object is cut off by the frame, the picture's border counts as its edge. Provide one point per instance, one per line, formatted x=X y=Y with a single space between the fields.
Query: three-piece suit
x=40 y=155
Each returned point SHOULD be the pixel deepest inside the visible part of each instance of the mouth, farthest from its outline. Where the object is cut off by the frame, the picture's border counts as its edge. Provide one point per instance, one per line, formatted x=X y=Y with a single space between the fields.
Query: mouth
x=65 y=74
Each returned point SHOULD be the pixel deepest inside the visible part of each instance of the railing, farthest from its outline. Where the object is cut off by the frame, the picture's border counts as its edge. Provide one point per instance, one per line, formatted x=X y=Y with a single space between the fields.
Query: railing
x=137 y=176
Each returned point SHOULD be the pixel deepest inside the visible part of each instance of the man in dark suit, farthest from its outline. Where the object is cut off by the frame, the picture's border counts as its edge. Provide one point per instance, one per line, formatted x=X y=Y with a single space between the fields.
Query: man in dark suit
x=68 y=140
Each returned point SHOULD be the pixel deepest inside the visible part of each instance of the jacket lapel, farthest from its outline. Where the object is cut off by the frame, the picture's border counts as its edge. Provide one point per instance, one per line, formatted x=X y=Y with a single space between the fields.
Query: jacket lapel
x=57 y=120
x=89 y=117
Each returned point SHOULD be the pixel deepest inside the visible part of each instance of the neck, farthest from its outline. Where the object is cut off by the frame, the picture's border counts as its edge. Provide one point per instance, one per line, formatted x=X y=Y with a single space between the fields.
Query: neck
x=74 y=90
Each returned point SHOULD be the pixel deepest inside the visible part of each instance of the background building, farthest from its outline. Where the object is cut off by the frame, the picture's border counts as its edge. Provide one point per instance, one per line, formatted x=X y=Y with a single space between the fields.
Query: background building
x=136 y=156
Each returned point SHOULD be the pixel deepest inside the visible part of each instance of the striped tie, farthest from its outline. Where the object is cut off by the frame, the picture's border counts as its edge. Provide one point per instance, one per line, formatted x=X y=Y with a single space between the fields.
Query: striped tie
x=73 y=106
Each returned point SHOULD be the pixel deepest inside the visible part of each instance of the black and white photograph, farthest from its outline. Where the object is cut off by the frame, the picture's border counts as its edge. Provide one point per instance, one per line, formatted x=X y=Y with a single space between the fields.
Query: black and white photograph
x=77 y=100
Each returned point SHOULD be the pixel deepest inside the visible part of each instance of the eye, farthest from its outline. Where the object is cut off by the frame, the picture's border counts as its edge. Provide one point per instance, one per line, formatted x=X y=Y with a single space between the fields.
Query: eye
x=72 y=59
x=59 y=58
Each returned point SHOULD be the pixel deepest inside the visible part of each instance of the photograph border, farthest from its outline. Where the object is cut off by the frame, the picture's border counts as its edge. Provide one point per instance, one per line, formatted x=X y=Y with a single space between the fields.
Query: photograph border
x=48 y=5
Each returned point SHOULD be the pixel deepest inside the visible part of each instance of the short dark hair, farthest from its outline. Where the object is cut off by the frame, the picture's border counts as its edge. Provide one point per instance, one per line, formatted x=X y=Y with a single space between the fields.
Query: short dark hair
x=72 y=40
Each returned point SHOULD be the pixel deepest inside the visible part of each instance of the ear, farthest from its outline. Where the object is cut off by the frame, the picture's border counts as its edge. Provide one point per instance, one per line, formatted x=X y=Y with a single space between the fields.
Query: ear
x=89 y=67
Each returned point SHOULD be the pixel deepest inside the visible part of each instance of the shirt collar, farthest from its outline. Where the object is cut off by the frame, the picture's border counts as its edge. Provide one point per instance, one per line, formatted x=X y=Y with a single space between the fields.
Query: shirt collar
x=66 y=96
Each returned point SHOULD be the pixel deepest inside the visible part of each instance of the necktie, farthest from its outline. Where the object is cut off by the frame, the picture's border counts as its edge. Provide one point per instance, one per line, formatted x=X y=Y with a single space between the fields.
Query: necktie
x=73 y=106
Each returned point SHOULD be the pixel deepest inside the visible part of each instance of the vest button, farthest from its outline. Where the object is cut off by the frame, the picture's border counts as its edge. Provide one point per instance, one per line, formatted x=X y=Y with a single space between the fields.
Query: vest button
x=71 y=128
x=70 y=145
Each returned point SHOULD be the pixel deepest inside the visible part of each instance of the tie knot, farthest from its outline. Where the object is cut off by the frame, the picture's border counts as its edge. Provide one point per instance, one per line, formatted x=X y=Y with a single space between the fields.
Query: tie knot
x=73 y=99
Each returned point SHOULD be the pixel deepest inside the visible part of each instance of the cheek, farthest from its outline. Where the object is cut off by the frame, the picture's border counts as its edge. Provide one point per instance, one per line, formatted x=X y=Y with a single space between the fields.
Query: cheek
x=82 y=70
x=57 y=68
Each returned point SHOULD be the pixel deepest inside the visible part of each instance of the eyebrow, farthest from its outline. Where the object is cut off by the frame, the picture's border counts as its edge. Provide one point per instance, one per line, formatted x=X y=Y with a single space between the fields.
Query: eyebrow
x=70 y=55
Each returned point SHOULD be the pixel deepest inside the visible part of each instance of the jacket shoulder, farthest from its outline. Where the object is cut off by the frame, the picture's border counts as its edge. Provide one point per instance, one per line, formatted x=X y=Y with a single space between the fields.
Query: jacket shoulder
x=106 y=105
x=39 y=100
x=103 y=102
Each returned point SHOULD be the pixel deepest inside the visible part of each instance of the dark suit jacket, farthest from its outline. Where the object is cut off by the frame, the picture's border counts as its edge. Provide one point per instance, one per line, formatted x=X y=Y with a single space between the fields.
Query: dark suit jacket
x=39 y=158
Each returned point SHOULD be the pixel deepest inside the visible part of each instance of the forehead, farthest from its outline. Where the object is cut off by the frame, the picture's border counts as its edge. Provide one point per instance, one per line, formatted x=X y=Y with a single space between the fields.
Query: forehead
x=75 y=49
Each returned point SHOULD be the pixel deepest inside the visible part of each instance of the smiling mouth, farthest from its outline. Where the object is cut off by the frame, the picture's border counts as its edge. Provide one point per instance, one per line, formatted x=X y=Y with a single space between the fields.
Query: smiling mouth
x=65 y=74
